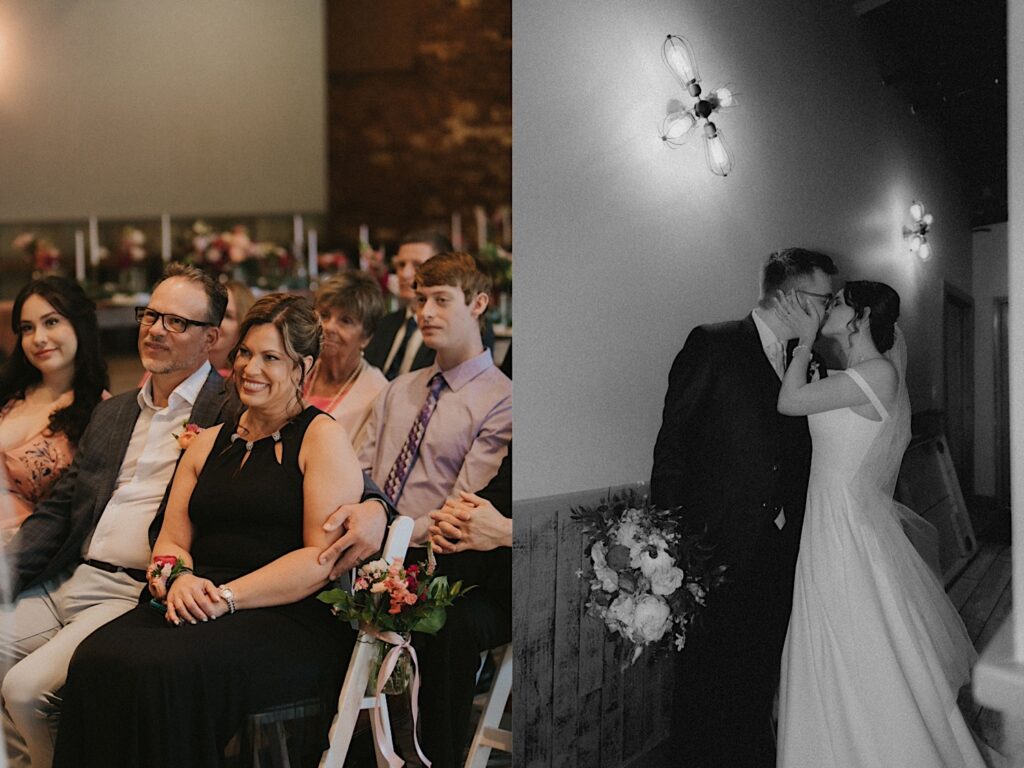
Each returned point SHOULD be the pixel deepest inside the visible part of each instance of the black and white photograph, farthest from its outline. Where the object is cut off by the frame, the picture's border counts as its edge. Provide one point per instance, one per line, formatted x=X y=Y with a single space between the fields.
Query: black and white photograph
x=765 y=383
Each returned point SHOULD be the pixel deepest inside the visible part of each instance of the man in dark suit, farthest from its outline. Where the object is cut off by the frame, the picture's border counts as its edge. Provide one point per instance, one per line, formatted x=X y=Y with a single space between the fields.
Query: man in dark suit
x=79 y=560
x=397 y=346
x=737 y=466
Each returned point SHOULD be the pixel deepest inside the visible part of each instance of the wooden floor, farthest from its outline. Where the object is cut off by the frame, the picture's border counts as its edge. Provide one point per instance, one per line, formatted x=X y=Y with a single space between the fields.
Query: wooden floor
x=982 y=595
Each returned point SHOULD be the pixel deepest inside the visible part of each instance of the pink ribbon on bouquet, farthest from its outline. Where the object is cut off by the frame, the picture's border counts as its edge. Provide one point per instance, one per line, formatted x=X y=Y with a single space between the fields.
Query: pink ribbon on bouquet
x=399 y=646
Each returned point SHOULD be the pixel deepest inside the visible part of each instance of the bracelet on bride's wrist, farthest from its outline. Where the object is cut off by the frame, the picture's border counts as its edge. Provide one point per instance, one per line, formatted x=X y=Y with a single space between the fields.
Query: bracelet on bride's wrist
x=798 y=347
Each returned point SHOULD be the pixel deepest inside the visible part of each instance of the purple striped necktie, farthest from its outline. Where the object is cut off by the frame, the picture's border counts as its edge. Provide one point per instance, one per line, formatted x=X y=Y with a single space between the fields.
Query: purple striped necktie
x=406 y=459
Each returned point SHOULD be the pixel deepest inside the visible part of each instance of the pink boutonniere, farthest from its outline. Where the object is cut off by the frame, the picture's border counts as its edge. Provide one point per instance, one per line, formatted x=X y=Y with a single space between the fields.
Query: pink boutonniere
x=187 y=434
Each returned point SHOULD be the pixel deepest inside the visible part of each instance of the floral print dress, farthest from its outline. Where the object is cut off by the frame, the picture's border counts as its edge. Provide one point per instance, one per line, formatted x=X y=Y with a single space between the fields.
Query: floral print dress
x=28 y=473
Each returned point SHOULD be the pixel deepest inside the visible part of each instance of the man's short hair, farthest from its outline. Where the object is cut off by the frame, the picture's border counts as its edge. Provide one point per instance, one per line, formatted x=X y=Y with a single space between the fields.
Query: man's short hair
x=455 y=268
x=438 y=243
x=216 y=293
x=782 y=266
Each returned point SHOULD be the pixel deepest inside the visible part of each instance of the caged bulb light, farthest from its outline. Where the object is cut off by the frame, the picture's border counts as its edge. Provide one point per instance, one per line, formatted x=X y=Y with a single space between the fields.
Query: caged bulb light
x=918 y=234
x=678 y=124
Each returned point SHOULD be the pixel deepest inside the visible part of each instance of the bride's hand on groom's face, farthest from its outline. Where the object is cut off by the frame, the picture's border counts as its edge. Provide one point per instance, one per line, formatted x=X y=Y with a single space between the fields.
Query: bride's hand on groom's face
x=803 y=318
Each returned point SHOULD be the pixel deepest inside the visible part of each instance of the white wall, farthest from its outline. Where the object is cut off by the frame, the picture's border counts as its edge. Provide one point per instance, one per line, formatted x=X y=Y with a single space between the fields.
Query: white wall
x=623 y=245
x=131 y=107
x=990 y=282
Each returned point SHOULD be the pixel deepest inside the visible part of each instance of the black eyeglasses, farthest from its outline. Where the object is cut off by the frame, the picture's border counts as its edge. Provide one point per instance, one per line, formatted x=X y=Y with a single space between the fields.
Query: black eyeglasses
x=825 y=297
x=173 y=323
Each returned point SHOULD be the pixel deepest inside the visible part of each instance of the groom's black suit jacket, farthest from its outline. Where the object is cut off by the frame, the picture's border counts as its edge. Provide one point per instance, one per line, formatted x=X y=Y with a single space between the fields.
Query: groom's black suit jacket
x=724 y=452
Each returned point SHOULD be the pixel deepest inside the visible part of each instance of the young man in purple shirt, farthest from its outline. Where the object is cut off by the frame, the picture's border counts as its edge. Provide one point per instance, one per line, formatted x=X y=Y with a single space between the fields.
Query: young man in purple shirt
x=432 y=440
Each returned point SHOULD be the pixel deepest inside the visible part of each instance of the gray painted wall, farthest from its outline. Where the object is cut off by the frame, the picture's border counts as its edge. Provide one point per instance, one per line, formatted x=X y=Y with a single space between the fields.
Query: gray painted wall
x=623 y=245
x=136 y=107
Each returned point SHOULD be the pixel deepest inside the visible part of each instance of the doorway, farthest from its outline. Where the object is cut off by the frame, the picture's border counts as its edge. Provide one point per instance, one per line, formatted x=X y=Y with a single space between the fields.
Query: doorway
x=1002 y=399
x=958 y=370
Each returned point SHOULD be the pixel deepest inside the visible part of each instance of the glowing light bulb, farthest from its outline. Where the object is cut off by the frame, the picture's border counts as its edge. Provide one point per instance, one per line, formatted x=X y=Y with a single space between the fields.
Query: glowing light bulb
x=676 y=127
x=925 y=251
x=717 y=151
x=915 y=243
x=927 y=219
x=678 y=56
x=916 y=210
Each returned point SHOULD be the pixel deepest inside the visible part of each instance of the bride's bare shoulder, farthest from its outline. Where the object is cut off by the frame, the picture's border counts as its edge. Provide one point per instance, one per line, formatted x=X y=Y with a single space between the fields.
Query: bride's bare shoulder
x=881 y=375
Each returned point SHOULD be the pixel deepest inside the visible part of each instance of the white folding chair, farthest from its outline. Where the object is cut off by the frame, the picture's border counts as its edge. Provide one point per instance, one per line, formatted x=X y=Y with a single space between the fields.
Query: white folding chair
x=489 y=735
x=353 y=696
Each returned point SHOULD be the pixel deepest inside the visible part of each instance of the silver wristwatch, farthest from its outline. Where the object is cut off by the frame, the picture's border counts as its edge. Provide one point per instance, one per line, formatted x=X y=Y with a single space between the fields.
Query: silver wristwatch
x=229 y=597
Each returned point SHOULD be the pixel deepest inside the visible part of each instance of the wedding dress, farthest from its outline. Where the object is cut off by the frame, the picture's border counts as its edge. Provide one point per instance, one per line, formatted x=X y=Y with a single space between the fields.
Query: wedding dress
x=875 y=652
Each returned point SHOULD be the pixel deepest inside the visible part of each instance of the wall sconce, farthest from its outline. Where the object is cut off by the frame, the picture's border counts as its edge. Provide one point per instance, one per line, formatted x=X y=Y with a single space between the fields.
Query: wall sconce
x=680 y=121
x=918 y=234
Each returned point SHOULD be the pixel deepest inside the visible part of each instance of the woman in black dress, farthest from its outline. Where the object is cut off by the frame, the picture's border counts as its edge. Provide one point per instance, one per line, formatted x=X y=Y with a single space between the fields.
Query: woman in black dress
x=171 y=686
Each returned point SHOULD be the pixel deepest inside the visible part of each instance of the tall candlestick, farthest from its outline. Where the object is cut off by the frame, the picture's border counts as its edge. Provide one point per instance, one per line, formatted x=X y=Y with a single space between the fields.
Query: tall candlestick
x=506 y=226
x=165 y=237
x=79 y=255
x=314 y=264
x=94 y=241
x=481 y=227
x=457 y=231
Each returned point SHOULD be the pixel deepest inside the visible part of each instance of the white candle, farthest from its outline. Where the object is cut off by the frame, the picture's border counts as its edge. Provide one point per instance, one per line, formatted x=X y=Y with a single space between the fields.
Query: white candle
x=79 y=255
x=165 y=237
x=297 y=232
x=364 y=234
x=457 y=231
x=506 y=226
x=481 y=227
x=314 y=264
x=94 y=241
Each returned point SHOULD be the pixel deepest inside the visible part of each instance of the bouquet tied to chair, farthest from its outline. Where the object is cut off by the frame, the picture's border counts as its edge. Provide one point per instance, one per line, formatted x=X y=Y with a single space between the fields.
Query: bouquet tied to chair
x=390 y=601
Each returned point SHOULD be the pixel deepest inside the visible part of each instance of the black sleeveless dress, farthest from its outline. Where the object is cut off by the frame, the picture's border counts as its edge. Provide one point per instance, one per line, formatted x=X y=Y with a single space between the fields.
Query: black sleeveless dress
x=141 y=692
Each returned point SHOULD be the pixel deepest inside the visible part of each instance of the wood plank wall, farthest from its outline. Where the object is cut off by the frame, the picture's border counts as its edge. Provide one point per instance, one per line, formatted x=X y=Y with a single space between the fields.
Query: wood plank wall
x=572 y=705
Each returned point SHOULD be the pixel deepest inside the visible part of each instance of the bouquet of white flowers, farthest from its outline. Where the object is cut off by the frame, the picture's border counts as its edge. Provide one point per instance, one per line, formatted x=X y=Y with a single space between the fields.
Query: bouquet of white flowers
x=649 y=576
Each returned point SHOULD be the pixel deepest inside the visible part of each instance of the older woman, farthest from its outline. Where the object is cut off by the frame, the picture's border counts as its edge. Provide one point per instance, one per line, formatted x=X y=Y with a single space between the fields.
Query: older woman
x=343 y=384
x=48 y=389
x=239 y=630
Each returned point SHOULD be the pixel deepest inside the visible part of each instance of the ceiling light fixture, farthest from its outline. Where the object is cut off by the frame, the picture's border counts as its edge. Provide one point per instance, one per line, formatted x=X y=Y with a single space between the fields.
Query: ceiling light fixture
x=680 y=121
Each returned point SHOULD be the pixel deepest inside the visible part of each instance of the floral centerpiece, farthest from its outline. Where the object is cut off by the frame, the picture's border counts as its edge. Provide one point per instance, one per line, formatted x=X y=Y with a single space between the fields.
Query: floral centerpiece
x=395 y=598
x=650 y=576
x=233 y=252
x=44 y=255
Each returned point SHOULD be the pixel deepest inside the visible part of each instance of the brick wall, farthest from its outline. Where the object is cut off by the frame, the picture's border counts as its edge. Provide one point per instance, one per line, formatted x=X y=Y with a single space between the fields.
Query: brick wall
x=419 y=115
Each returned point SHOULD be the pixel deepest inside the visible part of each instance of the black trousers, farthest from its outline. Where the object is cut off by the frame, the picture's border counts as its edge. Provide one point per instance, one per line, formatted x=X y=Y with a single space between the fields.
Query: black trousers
x=728 y=672
x=477 y=622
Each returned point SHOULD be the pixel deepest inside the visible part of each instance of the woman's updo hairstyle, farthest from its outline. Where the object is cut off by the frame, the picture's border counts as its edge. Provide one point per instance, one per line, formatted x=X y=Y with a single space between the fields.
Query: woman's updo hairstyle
x=884 y=303
x=295 y=319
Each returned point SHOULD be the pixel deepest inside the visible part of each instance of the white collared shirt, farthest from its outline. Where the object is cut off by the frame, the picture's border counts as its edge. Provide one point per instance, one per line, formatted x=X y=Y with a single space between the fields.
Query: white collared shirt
x=415 y=342
x=774 y=349
x=122 y=534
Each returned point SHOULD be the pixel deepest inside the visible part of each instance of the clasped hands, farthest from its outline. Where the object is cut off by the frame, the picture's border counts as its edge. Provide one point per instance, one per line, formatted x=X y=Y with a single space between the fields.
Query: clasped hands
x=468 y=522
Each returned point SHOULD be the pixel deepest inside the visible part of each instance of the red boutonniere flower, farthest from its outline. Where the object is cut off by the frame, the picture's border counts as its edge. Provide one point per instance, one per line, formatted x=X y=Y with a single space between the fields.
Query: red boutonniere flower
x=187 y=434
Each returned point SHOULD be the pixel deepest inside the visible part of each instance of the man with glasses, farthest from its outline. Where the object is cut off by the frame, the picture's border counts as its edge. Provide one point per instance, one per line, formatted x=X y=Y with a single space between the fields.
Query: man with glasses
x=80 y=558
x=737 y=467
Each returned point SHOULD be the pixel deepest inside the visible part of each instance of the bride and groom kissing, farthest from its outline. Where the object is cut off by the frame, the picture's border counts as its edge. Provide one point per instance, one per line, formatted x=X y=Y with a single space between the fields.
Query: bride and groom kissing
x=792 y=472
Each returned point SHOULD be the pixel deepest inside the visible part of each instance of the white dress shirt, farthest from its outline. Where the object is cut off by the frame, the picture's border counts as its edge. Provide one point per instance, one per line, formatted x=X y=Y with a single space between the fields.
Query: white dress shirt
x=122 y=534
x=774 y=349
x=415 y=342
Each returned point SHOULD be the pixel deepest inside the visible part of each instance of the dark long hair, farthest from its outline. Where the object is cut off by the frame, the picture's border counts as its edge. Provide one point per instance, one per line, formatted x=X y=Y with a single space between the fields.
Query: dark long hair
x=90 y=379
x=884 y=304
